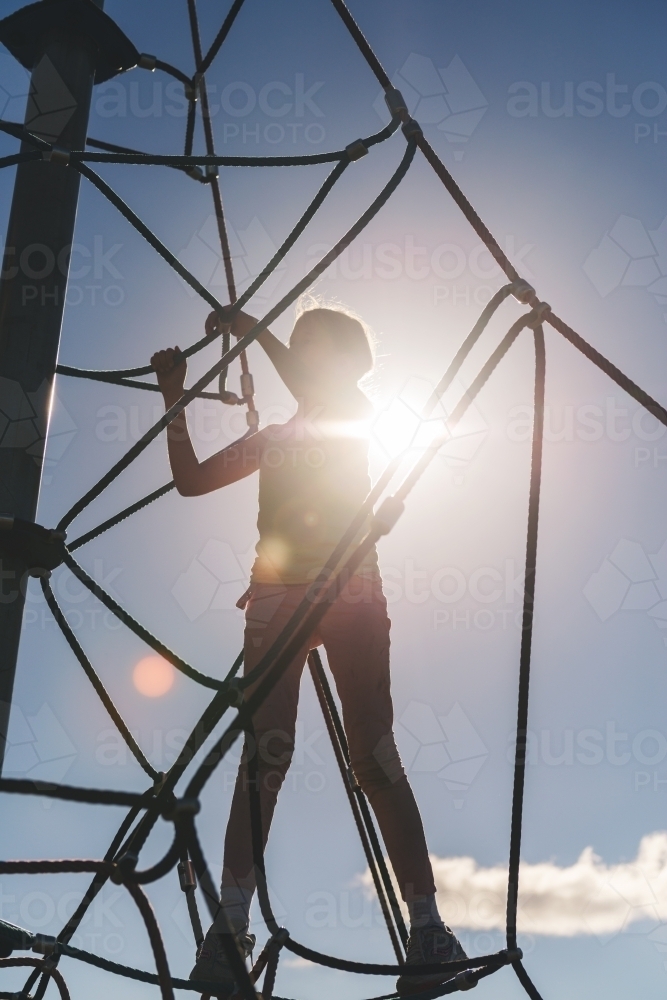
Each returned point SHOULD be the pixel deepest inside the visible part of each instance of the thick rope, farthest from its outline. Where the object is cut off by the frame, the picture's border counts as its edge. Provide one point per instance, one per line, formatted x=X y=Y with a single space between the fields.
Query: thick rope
x=111 y=522
x=155 y=938
x=70 y=793
x=50 y=973
x=220 y=37
x=138 y=505
x=138 y=629
x=19 y=132
x=252 y=418
x=10 y=161
x=90 y=673
x=525 y=653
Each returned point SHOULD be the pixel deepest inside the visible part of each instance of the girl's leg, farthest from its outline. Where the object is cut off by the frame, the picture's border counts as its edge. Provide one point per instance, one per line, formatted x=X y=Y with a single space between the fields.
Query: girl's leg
x=355 y=633
x=274 y=723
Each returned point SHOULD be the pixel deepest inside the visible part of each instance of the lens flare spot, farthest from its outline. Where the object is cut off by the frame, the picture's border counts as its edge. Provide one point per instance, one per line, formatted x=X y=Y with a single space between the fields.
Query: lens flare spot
x=153 y=676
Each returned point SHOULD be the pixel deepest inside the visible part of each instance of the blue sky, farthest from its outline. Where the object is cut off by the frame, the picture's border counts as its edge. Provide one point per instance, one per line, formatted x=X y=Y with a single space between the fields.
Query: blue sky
x=577 y=199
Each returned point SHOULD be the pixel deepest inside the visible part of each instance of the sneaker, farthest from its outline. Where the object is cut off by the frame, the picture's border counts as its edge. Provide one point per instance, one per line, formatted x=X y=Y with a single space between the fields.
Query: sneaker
x=212 y=964
x=426 y=947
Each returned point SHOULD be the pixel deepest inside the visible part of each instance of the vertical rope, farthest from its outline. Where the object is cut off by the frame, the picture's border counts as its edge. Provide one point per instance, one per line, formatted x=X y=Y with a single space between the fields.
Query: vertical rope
x=524 y=659
x=246 y=378
x=342 y=759
x=355 y=793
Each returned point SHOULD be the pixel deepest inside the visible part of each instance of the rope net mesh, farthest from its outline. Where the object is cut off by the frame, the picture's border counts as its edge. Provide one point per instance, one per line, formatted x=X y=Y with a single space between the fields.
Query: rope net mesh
x=121 y=861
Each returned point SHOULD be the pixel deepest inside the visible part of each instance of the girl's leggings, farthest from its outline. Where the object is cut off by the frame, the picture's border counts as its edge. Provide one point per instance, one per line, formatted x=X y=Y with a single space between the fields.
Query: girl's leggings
x=355 y=635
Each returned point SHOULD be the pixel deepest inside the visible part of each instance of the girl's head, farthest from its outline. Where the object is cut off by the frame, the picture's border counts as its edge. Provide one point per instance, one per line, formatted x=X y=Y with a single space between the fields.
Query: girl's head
x=332 y=341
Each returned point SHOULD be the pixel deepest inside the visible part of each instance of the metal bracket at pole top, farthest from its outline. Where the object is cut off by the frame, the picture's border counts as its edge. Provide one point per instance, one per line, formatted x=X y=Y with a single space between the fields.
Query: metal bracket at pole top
x=23 y=32
x=42 y=549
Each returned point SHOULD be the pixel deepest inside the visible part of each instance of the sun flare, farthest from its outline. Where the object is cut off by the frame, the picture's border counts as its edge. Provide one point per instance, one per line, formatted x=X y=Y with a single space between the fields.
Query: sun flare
x=153 y=676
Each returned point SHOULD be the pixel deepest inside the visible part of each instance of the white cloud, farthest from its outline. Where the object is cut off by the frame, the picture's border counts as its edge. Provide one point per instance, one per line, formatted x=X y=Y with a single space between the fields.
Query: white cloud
x=586 y=898
x=297 y=962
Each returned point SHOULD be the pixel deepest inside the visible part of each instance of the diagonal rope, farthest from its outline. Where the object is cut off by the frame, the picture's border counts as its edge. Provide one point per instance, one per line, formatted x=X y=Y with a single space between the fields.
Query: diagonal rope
x=90 y=673
x=133 y=508
x=203 y=64
x=138 y=629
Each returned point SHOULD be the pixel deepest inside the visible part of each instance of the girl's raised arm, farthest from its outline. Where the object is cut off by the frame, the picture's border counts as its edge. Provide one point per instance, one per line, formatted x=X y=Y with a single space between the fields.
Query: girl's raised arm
x=192 y=477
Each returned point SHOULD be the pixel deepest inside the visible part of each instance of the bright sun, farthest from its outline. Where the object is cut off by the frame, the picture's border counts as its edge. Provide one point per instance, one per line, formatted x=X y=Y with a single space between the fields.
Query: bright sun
x=153 y=676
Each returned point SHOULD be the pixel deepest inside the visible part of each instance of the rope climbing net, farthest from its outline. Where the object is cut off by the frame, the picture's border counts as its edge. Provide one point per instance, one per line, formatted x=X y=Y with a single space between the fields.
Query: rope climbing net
x=47 y=549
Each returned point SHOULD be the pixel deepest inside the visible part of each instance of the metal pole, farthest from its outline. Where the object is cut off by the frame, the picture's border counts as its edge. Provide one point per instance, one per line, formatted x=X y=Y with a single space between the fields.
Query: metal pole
x=32 y=299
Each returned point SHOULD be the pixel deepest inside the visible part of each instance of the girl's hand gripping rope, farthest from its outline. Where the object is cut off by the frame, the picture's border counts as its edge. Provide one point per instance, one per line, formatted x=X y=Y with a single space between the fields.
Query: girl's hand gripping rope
x=171 y=368
x=239 y=325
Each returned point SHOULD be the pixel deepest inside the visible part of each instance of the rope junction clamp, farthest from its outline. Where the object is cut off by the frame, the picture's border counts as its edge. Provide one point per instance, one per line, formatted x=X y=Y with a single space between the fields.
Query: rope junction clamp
x=57 y=155
x=192 y=89
x=43 y=549
x=44 y=944
x=197 y=174
x=247 y=385
x=523 y=291
x=187 y=875
x=412 y=129
x=146 y=61
x=396 y=104
x=539 y=312
x=355 y=150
